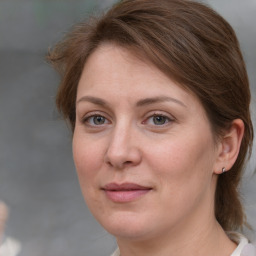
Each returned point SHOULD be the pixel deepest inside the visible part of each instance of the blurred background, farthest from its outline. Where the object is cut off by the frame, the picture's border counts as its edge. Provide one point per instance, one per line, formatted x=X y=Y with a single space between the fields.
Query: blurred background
x=37 y=176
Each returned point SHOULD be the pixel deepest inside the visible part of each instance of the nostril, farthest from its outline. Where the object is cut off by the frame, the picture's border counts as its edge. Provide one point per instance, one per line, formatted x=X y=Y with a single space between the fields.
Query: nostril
x=120 y=165
x=120 y=158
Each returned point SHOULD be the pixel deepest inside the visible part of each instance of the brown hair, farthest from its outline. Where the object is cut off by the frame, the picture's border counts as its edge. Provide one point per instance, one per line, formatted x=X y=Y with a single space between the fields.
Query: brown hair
x=190 y=43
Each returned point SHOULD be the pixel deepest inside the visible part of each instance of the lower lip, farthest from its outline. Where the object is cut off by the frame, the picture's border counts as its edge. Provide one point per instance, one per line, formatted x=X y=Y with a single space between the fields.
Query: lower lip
x=123 y=196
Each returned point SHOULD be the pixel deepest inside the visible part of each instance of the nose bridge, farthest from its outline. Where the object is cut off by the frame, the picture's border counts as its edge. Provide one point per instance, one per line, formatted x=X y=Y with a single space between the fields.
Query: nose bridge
x=123 y=149
x=121 y=136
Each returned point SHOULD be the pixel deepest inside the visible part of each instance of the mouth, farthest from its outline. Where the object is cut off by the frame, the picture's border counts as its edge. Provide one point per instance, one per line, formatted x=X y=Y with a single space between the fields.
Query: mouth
x=125 y=192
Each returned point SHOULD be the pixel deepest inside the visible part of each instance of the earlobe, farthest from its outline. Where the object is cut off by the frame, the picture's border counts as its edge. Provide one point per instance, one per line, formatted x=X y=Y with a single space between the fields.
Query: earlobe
x=229 y=147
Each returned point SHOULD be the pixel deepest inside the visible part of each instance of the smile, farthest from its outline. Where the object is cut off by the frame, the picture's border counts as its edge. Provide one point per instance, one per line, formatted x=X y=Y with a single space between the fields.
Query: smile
x=126 y=192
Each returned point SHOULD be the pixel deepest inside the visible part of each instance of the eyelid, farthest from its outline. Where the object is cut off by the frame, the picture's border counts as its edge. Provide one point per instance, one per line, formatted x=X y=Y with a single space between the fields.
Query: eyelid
x=160 y=113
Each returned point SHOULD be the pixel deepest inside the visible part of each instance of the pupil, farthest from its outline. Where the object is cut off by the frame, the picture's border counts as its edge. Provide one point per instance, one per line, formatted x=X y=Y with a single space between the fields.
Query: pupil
x=99 y=120
x=158 y=120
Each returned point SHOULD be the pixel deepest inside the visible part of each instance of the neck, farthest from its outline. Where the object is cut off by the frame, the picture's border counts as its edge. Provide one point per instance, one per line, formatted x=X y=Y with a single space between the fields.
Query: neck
x=201 y=241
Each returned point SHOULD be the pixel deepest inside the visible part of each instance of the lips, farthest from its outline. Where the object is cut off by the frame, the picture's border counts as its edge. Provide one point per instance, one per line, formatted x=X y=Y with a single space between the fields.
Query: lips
x=125 y=192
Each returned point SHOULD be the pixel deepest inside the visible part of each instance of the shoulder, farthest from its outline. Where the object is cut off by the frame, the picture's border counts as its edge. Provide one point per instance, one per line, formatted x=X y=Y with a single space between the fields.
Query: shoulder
x=244 y=248
x=10 y=247
x=249 y=250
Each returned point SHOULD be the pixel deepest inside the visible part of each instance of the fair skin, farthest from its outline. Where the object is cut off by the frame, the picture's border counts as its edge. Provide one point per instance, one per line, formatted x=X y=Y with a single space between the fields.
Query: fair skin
x=146 y=158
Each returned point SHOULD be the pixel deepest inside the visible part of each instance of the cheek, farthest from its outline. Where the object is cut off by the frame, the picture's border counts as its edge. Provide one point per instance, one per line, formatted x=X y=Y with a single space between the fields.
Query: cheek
x=183 y=164
x=87 y=159
x=183 y=172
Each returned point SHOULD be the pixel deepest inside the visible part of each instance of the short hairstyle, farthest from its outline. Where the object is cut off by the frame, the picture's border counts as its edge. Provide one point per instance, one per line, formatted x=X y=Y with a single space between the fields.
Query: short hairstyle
x=190 y=43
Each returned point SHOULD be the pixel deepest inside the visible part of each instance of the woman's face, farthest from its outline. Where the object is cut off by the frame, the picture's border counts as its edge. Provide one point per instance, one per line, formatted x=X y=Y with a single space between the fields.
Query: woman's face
x=143 y=148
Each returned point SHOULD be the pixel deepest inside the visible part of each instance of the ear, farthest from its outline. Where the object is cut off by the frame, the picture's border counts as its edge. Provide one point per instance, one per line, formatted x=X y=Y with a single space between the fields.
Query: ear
x=229 y=146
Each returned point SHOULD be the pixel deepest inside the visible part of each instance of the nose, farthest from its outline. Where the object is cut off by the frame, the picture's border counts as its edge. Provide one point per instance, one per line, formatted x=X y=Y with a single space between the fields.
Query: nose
x=123 y=149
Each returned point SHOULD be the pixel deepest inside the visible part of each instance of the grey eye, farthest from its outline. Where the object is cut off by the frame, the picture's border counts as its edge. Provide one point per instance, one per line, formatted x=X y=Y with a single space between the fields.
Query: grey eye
x=98 y=120
x=159 y=120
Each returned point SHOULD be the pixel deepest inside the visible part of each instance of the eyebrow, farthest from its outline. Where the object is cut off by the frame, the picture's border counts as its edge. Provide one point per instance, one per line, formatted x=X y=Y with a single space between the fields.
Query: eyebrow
x=94 y=100
x=140 y=103
x=153 y=100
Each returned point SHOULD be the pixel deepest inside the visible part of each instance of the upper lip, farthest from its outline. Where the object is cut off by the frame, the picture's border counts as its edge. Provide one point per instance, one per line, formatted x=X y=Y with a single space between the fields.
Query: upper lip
x=124 y=187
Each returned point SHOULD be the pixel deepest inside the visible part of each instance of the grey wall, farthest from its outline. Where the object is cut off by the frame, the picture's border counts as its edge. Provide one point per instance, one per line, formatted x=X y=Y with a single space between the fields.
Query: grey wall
x=37 y=176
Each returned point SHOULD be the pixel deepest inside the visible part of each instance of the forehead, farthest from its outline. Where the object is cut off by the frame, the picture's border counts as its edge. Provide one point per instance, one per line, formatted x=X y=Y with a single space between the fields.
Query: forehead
x=112 y=67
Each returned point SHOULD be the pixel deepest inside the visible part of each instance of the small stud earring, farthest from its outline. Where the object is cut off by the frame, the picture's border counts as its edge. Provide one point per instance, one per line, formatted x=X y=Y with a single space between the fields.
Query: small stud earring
x=224 y=170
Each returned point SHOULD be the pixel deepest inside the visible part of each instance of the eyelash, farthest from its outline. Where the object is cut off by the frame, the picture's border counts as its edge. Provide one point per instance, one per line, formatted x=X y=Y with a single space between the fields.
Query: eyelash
x=91 y=118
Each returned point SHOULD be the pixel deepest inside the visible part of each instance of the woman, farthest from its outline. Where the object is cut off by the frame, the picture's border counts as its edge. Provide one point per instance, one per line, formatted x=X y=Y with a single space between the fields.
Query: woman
x=157 y=96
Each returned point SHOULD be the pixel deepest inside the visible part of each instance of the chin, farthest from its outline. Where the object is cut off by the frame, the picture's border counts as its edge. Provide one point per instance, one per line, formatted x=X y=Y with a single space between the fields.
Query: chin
x=129 y=232
x=127 y=225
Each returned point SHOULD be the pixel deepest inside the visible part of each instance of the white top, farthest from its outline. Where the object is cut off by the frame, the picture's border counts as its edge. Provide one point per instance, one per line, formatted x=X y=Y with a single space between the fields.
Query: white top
x=243 y=248
x=10 y=247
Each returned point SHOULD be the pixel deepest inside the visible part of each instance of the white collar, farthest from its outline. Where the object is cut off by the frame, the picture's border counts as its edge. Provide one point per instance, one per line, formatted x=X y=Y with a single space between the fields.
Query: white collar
x=240 y=240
